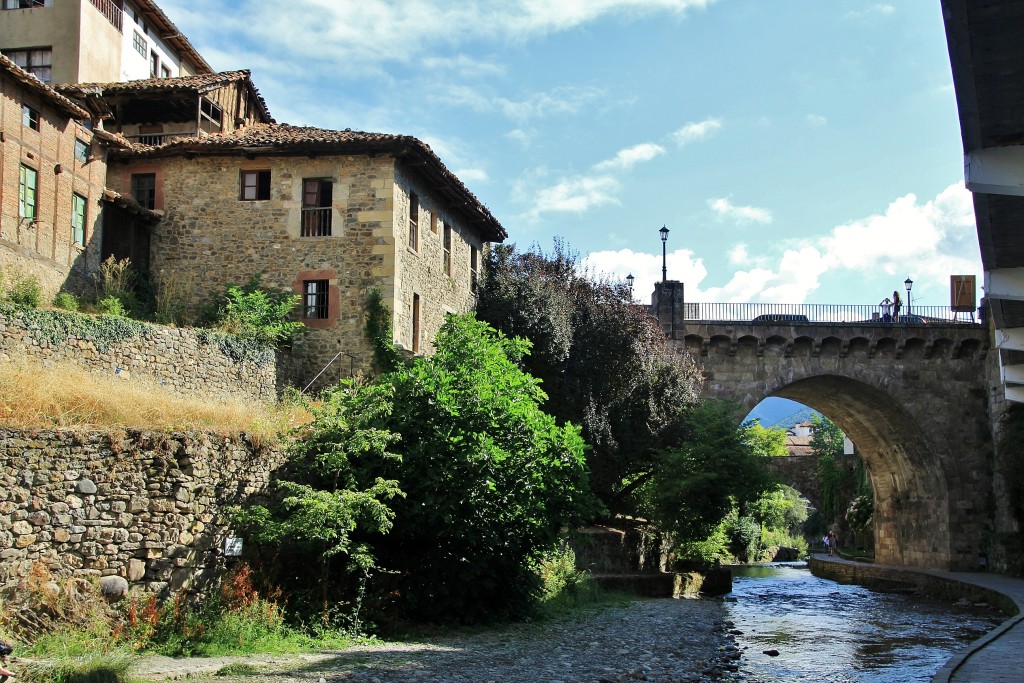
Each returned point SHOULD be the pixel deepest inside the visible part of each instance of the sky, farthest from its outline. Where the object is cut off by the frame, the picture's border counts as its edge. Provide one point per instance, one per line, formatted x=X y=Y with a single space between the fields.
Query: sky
x=798 y=151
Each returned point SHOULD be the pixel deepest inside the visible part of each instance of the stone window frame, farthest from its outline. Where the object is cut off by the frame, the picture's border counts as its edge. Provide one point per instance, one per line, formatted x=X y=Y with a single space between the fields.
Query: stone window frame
x=316 y=299
x=259 y=187
x=446 y=249
x=317 y=195
x=29 y=116
x=333 y=297
x=414 y=220
x=28 y=192
x=474 y=267
x=79 y=213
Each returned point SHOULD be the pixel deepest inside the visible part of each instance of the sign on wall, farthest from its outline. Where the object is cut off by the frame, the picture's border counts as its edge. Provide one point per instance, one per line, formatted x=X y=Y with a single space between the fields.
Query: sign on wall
x=962 y=295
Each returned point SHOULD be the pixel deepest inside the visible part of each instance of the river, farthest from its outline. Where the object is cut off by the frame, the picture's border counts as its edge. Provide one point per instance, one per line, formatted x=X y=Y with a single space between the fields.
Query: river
x=825 y=631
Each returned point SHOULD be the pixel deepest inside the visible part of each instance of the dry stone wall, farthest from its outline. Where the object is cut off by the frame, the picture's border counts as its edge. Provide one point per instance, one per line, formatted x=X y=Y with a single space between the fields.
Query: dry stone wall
x=184 y=360
x=147 y=507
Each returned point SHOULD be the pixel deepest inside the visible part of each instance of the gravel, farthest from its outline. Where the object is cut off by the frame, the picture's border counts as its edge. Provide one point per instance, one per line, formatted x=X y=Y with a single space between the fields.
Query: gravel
x=660 y=640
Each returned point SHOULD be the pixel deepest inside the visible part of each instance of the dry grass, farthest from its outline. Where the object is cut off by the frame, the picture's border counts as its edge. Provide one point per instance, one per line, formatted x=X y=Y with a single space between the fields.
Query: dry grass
x=66 y=395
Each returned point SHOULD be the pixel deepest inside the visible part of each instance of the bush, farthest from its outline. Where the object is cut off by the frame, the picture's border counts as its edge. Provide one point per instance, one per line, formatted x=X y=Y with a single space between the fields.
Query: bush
x=66 y=300
x=254 y=312
x=111 y=305
x=19 y=288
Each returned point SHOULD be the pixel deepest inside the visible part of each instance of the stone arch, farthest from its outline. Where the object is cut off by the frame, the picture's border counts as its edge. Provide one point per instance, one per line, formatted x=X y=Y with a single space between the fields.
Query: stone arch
x=905 y=467
x=748 y=345
x=803 y=347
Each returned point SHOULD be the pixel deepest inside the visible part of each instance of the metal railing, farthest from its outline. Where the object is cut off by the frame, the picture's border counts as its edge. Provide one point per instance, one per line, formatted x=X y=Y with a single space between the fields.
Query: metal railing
x=316 y=222
x=112 y=12
x=800 y=314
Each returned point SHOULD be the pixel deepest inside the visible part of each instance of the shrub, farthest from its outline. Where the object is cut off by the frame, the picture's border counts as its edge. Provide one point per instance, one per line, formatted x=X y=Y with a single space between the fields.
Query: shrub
x=66 y=300
x=111 y=305
x=19 y=288
x=252 y=311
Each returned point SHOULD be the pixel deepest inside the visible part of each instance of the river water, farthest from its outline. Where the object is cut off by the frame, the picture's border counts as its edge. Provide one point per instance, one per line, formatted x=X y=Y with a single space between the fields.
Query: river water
x=825 y=631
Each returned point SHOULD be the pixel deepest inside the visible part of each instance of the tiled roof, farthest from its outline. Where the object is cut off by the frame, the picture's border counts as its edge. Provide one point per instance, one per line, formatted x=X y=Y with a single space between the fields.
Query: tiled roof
x=33 y=83
x=280 y=138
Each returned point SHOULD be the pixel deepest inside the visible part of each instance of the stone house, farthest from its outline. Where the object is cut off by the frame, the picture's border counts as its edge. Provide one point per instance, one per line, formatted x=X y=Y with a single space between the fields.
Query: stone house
x=53 y=173
x=75 y=41
x=327 y=214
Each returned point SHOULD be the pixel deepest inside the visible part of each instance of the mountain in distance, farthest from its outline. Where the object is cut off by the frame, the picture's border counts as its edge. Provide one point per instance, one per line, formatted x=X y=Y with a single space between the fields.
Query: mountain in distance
x=781 y=413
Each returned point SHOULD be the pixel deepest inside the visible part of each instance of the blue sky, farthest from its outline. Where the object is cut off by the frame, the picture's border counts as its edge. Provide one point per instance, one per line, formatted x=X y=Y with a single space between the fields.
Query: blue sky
x=799 y=151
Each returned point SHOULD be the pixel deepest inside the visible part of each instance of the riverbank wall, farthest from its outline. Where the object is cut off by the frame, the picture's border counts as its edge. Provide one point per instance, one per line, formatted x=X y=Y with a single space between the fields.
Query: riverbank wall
x=924 y=582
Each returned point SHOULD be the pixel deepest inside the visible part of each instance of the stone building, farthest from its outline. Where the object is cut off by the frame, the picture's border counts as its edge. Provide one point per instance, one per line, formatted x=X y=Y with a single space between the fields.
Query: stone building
x=53 y=175
x=328 y=214
x=75 y=41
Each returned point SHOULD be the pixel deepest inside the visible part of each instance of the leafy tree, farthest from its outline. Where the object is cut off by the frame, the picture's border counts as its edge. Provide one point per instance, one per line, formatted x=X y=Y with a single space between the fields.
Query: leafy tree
x=698 y=483
x=604 y=361
x=766 y=441
x=827 y=444
x=826 y=438
x=490 y=479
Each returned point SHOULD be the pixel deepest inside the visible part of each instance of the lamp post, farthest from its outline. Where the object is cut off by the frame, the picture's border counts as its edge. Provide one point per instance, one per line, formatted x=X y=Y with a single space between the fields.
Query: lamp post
x=908 y=283
x=664 y=267
x=629 y=283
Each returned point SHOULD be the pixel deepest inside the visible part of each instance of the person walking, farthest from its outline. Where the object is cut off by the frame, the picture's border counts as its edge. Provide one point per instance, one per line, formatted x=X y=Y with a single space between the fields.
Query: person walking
x=897 y=304
x=832 y=538
x=886 y=306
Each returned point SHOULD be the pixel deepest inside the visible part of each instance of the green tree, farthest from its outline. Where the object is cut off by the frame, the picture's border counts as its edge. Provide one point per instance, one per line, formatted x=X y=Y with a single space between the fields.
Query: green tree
x=254 y=312
x=766 y=441
x=827 y=444
x=604 y=362
x=826 y=437
x=713 y=471
x=490 y=479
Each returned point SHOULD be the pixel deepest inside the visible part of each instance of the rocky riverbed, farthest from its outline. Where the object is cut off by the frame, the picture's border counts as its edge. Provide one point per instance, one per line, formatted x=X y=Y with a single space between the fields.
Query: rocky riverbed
x=647 y=640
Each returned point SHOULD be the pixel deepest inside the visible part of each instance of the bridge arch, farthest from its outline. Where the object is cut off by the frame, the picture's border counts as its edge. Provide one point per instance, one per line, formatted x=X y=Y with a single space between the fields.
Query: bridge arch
x=913 y=400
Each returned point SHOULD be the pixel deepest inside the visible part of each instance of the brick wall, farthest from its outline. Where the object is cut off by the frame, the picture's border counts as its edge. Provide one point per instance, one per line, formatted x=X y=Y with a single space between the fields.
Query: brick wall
x=145 y=506
x=177 y=358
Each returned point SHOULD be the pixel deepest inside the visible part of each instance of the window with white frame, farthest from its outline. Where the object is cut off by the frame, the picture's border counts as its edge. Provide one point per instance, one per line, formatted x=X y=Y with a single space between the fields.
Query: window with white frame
x=78 y=219
x=414 y=221
x=210 y=116
x=82 y=150
x=139 y=43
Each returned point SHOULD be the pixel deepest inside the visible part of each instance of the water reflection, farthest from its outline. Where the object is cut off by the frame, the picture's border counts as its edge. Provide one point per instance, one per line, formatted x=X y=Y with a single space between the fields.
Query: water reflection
x=831 y=632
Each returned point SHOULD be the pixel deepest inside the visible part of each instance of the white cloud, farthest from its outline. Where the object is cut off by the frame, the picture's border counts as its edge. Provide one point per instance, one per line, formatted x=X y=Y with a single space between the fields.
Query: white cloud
x=574 y=194
x=471 y=175
x=928 y=240
x=630 y=157
x=699 y=130
x=742 y=215
x=876 y=10
x=816 y=119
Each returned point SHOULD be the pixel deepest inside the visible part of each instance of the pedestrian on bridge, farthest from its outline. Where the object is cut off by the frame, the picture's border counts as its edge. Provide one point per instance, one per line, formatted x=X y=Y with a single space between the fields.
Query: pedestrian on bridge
x=897 y=304
x=832 y=542
x=886 y=306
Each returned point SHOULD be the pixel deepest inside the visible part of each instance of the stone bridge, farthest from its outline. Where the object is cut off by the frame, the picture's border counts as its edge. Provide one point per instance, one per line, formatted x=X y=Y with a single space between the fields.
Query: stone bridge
x=914 y=399
x=801 y=472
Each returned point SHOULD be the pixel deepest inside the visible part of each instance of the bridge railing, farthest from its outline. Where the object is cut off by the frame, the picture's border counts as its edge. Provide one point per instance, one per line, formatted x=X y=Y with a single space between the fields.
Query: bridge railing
x=799 y=314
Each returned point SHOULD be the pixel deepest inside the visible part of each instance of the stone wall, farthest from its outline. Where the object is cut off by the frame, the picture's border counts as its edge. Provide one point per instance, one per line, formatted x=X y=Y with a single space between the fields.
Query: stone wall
x=177 y=358
x=144 y=506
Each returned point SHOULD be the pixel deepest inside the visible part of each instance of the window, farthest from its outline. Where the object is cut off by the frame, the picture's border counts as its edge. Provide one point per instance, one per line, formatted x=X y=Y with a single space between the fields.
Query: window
x=210 y=116
x=317 y=197
x=144 y=189
x=414 y=219
x=473 y=257
x=165 y=71
x=433 y=222
x=82 y=150
x=154 y=63
x=78 y=219
x=29 y=117
x=28 y=185
x=140 y=44
x=415 y=323
x=447 y=261
x=314 y=299
x=255 y=186
x=23 y=4
x=137 y=18
x=37 y=61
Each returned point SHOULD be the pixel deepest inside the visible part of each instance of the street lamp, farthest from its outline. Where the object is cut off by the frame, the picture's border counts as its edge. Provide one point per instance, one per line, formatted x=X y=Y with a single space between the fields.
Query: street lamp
x=908 y=283
x=629 y=283
x=664 y=267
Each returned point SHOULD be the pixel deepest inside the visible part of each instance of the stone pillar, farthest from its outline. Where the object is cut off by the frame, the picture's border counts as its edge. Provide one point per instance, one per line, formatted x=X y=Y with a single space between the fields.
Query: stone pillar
x=668 y=306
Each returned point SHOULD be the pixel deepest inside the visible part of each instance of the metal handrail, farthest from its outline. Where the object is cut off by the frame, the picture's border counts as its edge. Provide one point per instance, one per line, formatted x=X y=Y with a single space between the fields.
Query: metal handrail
x=316 y=221
x=802 y=314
